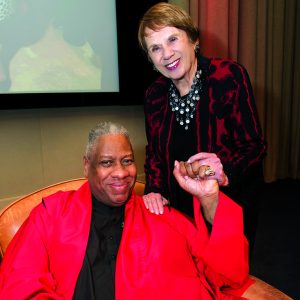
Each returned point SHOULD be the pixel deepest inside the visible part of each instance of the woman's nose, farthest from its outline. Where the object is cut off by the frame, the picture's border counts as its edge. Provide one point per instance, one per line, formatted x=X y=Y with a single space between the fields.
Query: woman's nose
x=167 y=52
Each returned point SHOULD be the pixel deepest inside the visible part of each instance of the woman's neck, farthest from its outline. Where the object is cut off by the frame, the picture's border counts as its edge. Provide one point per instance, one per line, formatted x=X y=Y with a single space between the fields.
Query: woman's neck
x=184 y=84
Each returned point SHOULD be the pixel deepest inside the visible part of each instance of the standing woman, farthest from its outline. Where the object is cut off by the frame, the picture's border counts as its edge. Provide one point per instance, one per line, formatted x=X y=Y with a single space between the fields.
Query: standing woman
x=199 y=109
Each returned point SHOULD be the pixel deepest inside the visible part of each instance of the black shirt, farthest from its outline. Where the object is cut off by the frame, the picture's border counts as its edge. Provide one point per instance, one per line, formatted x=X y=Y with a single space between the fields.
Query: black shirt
x=97 y=277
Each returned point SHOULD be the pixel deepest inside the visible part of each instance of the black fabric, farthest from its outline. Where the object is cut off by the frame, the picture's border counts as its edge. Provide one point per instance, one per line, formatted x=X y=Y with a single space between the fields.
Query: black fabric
x=276 y=257
x=96 y=280
x=249 y=197
x=180 y=199
x=183 y=150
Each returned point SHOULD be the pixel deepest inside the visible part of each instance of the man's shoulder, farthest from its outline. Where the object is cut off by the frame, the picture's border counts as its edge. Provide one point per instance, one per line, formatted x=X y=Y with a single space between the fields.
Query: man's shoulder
x=57 y=197
x=63 y=199
x=171 y=217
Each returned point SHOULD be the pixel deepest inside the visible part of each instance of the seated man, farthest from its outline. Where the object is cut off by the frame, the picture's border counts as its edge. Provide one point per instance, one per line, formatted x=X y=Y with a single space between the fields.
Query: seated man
x=101 y=242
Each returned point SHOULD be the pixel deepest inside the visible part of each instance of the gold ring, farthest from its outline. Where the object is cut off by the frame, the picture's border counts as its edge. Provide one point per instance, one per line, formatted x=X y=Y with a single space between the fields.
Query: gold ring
x=209 y=171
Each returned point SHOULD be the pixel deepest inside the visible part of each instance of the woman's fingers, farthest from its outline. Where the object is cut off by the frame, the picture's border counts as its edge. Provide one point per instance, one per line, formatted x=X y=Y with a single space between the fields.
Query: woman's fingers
x=195 y=169
x=155 y=203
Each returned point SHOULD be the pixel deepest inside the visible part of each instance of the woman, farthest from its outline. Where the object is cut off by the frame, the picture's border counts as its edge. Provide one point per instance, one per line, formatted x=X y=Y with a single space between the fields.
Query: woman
x=198 y=106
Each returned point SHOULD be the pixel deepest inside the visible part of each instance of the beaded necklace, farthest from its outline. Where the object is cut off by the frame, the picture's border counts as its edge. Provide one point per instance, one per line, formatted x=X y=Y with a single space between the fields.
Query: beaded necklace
x=184 y=107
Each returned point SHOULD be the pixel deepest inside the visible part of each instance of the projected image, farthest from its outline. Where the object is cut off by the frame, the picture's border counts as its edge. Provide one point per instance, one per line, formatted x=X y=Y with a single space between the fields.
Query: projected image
x=58 y=46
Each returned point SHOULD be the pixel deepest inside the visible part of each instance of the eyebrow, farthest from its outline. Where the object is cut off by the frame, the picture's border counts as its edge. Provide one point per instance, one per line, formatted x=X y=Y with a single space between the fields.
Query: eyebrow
x=106 y=156
x=174 y=34
x=151 y=46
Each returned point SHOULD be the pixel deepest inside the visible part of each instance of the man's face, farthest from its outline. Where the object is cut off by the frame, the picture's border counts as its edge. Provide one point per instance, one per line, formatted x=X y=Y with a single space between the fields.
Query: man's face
x=111 y=170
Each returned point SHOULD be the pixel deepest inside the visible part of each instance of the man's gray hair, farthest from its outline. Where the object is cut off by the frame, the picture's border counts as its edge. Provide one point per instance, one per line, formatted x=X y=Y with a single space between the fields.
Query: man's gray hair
x=101 y=129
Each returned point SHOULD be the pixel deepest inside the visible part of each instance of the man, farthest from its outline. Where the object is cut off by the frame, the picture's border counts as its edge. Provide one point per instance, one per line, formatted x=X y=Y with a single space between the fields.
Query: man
x=101 y=242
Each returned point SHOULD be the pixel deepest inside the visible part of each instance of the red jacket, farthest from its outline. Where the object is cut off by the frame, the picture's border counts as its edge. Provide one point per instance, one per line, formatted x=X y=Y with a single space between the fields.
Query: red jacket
x=160 y=257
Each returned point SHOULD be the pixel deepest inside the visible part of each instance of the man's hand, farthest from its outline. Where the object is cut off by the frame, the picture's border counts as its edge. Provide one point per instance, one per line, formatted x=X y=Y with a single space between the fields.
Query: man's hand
x=201 y=185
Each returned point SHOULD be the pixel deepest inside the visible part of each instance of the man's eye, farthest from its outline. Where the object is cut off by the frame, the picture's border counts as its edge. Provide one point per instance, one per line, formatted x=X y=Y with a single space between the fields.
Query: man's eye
x=105 y=163
x=127 y=162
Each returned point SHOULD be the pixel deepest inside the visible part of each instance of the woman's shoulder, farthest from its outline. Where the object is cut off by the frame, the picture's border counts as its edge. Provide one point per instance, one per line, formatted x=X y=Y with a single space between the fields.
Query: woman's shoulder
x=223 y=75
x=160 y=83
x=218 y=61
x=157 y=91
x=224 y=66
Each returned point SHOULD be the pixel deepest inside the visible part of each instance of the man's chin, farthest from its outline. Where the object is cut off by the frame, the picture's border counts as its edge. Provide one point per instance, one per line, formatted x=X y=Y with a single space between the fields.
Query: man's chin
x=119 y=200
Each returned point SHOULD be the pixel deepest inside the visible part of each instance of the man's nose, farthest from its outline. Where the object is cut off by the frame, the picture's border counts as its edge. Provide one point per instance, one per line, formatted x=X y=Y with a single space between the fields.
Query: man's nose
x=120 y=170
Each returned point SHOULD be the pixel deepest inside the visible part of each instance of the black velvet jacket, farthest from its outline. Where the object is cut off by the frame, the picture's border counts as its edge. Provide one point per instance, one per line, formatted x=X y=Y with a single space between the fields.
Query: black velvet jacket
x=225 y=122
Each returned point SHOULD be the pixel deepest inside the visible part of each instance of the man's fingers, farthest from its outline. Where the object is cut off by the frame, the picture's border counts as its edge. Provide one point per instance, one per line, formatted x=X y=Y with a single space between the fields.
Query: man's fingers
x=195 y=167
x=189 y=170
x=182 y=168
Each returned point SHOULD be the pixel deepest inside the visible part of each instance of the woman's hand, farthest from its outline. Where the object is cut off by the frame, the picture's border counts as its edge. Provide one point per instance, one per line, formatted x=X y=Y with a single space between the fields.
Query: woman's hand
x=155 y=202
x=213 y=161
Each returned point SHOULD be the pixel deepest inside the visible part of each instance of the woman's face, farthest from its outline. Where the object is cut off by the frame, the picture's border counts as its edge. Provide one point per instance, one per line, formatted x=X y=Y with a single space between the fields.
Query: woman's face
x=171 y=52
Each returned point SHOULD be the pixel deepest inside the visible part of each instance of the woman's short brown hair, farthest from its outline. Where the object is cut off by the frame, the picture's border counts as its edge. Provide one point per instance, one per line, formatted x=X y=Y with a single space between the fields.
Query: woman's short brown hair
x=165 y=14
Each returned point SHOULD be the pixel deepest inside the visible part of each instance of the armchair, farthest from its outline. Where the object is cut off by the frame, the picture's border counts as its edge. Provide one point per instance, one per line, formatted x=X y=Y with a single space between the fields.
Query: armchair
x=13 y=215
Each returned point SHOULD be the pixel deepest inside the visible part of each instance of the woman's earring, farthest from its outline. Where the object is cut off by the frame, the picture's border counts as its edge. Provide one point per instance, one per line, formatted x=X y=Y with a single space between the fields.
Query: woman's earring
x=197 y=47
x=154 y=68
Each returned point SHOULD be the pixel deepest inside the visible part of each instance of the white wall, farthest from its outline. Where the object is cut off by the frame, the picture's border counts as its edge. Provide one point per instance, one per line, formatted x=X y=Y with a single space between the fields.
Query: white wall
x=39 y=147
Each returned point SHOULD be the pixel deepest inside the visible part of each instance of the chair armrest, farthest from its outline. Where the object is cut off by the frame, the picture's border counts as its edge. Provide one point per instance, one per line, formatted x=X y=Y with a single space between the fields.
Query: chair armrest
x=260 y=290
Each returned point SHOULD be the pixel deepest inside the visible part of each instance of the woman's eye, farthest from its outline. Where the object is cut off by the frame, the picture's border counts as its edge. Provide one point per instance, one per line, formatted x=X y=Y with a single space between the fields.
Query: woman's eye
x=155 y=49
x=173 y=39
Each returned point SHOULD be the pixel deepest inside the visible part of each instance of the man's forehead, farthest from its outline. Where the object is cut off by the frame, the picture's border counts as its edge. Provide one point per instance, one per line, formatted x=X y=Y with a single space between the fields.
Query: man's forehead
x=113 y=145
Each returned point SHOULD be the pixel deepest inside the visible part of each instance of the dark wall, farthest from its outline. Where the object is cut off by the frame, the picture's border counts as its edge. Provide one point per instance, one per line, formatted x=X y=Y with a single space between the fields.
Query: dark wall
x=136 y=72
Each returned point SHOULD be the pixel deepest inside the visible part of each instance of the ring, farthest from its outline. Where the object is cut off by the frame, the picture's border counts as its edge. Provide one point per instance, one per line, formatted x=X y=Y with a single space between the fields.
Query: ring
x=209 y=171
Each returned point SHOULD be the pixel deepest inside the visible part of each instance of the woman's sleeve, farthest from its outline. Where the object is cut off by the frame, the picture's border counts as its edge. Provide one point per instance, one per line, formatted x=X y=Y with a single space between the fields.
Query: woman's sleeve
x=154 y=163
x=235 y=110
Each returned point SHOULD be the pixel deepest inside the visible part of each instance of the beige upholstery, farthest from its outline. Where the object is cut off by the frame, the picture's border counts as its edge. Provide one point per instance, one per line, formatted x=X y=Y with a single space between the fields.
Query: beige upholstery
x=12 y=216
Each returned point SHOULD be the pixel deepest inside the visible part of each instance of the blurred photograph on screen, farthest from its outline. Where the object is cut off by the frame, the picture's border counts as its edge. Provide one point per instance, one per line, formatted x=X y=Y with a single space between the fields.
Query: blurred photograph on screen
x=58 y=46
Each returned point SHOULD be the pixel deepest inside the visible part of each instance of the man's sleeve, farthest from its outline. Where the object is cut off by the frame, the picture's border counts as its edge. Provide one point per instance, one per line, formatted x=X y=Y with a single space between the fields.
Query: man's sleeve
x=24 y=271
x=224 y=258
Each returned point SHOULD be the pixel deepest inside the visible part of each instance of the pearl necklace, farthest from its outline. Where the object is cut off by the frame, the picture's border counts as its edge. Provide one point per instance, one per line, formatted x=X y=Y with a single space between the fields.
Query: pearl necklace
x=184 y=107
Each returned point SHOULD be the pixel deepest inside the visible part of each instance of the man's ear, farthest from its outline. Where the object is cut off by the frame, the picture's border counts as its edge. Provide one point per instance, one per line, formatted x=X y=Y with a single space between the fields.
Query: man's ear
x=86 y=163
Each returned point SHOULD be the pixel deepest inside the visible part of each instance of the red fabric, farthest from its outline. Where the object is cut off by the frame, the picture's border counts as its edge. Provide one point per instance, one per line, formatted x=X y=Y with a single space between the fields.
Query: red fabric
x=160 y=257
x=169 y=257
x=53 y=241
